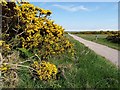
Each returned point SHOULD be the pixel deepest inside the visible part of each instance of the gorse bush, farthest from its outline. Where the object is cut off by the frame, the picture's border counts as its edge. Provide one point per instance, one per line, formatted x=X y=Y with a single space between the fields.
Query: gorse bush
x=29 y=30
x=44 y=70
x=27 y=26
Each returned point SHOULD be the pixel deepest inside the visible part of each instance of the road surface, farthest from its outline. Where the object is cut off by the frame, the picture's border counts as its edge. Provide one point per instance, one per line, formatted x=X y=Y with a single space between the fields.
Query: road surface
x=109 y=53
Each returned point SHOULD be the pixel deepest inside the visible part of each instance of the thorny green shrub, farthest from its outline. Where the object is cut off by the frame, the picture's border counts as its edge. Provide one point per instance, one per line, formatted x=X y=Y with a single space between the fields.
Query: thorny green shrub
x=26 y=27
x=29 y=27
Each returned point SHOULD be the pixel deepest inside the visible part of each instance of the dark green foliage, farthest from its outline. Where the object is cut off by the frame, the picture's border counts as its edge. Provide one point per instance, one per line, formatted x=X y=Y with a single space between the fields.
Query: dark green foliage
x=25 y=53
x=115 y=38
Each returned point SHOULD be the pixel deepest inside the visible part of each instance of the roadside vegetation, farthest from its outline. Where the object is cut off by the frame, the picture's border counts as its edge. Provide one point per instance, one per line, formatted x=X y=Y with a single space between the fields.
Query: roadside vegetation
x=86 y=70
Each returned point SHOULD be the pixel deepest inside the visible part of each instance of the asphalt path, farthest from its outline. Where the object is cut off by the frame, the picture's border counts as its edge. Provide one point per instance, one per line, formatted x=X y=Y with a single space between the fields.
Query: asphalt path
x=105 y=51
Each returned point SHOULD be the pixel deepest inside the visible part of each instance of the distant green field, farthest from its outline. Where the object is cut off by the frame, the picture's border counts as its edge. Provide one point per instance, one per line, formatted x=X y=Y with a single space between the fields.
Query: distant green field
x=86 y=70
x=101 y=40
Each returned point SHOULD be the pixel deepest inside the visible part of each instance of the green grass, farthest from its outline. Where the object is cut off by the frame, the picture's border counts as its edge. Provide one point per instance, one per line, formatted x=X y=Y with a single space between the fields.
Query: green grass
x=101 y=40
x=87 y=70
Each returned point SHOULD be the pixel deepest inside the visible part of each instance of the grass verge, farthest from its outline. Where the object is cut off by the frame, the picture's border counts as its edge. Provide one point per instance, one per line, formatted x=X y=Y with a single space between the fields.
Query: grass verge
x=87 y=70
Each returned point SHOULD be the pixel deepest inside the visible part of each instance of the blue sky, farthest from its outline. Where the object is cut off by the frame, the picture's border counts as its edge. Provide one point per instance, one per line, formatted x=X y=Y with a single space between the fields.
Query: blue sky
x=81 y=16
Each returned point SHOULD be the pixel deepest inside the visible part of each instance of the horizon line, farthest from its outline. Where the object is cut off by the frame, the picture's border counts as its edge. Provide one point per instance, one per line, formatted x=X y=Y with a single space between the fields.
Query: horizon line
x=76 y=30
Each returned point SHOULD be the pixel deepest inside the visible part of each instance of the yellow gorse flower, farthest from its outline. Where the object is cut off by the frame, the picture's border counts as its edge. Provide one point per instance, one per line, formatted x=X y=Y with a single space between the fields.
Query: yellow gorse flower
x=45 y=70
x=4 y=45
x=3 y=2
x=4 y=67
x=1 y=42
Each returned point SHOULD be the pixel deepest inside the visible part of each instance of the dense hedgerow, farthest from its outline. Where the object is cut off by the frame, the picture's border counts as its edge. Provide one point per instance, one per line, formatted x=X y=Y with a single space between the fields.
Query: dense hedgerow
x=29 y=27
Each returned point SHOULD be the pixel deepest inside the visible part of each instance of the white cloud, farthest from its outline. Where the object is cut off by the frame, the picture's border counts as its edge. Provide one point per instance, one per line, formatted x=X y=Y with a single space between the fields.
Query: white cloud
x=72 y=8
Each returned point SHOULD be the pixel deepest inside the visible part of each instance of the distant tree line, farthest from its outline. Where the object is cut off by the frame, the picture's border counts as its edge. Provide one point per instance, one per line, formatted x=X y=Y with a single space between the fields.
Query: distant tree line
x=93 y=32
x=113 y=36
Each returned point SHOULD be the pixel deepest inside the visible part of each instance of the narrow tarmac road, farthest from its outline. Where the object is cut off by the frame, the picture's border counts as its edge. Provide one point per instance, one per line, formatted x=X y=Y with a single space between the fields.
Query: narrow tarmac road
x=109 y=53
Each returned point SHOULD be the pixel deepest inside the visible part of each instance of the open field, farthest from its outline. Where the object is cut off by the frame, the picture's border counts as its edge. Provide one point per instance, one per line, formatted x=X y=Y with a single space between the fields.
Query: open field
x=87 y=70
x=101 y=40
